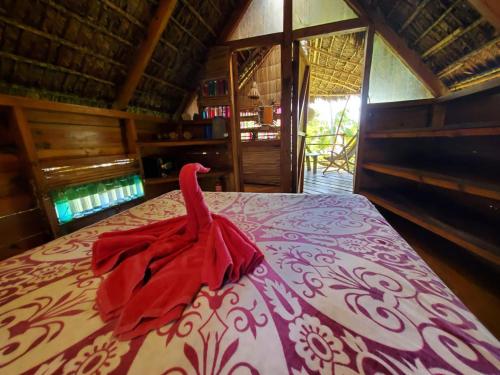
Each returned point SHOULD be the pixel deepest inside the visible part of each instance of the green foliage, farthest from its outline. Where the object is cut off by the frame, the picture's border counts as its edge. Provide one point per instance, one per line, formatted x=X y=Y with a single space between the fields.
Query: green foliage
x=321 y=134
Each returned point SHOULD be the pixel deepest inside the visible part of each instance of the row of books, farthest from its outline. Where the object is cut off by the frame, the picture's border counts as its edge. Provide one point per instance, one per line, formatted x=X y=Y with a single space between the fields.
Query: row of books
x=215 y=87
x=211 y=112
x=75 y=202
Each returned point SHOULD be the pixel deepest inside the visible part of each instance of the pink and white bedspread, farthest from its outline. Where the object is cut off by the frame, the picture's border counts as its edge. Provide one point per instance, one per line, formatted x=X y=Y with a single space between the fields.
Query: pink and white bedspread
x=339 y=292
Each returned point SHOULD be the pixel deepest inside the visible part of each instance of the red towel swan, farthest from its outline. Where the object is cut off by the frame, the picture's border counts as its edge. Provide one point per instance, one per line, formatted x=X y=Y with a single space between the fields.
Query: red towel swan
x=158 y=269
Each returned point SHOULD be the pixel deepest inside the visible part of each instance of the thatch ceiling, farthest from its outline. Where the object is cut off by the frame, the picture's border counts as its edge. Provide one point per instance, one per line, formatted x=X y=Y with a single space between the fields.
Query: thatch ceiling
x=457 y=43
x=336 y=64
x=80 y=50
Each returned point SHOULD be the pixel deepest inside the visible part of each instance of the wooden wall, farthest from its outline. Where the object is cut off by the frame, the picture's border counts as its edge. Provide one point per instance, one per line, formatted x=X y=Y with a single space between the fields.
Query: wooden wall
x=75 y=148
x=21 y=220
x=261 y=162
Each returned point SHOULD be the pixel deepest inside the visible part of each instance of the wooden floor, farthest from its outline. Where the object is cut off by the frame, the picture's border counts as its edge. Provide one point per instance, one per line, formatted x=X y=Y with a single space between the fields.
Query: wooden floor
x=329 y=183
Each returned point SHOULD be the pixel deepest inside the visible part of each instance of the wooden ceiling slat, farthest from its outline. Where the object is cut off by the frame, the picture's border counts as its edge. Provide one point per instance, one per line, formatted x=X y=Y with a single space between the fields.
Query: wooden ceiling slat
x=144 y=52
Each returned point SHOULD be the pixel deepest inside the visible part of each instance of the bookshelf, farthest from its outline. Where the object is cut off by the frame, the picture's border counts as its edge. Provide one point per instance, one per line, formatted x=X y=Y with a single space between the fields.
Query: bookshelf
x=436 y=164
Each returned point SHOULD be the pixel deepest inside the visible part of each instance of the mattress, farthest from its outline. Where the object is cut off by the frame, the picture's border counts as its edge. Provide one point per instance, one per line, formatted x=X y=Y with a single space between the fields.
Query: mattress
x=339 y=292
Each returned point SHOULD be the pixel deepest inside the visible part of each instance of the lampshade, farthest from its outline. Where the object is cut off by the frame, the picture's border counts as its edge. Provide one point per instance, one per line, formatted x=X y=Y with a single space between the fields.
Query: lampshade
x=254 y=91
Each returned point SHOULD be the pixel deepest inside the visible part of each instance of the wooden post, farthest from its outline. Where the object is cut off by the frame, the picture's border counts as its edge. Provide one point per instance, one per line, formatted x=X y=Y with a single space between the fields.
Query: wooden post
x=286 y=99
x=364 y=101
x=303 y=109
x=295 y=114
x=235 y=123
x=144 y=52
x=131 y=143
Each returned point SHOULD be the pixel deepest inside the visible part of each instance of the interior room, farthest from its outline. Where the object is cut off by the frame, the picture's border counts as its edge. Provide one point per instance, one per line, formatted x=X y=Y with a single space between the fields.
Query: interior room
x=249 y=187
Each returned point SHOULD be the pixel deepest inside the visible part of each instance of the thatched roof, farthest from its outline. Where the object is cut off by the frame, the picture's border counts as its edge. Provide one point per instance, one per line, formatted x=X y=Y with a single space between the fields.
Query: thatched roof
x=336 y=64
x=80 y=50
x=454 y=40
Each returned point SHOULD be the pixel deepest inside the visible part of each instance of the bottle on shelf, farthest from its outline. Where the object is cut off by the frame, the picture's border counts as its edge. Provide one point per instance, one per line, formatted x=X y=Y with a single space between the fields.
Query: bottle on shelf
x=75 y=203
x=95 y=197
x=103 y=195
x=63 y=208
x=138 y=185
x=133 y=187
x=112 y=193
x=84 y=195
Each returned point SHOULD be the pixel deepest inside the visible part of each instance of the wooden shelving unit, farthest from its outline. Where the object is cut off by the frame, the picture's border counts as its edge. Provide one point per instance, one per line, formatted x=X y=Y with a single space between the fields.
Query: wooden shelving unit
x=436 y=163
x=453 y=180
x=457 y=131
x=441 y=220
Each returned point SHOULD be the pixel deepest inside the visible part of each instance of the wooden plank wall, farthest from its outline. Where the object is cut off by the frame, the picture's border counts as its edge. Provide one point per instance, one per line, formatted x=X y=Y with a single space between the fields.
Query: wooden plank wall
x=75 y=148
x=21 y=223
x=261 y=162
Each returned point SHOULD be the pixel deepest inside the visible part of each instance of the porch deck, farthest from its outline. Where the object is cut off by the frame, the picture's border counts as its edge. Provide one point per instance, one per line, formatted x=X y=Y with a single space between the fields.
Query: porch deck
x=332 y=183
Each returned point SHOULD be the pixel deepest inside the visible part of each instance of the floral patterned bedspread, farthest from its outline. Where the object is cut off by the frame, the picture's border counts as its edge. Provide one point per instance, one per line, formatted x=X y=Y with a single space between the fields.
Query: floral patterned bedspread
x=339 y=292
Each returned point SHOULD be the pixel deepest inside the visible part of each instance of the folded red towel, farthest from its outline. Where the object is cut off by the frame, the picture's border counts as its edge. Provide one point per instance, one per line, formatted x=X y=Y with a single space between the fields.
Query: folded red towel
x=158 y=269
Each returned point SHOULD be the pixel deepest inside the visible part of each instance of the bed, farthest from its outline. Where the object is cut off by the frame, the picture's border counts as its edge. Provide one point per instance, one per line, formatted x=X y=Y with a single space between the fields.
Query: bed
x=338 y=292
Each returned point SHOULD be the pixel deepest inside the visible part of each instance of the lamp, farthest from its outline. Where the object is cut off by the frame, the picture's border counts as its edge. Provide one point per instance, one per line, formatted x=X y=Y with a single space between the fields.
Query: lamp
x=254 y=92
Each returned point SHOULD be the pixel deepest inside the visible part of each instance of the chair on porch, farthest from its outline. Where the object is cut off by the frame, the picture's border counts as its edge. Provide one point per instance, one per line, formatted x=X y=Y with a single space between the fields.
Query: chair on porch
x=342 y=160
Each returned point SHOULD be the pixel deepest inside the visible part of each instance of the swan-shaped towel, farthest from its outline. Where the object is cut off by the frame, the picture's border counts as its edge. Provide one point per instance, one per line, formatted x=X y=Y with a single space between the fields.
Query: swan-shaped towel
x=158 y=269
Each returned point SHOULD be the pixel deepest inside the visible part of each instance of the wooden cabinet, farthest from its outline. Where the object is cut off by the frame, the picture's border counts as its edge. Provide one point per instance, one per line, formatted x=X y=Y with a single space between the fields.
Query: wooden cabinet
x=436 y=163
x=47 y=147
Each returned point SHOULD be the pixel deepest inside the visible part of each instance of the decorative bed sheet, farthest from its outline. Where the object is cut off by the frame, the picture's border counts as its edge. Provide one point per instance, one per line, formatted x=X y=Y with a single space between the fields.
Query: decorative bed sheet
x=339 y=292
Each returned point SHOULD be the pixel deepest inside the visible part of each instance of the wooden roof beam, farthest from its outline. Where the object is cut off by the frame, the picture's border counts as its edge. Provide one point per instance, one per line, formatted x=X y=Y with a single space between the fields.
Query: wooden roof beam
x=489 y=9
x=144 y=52
x=408 y=56
x=234 y=20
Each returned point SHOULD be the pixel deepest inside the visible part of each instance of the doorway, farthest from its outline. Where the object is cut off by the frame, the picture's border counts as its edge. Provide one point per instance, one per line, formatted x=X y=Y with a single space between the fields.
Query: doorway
x=258 y=116
x=333 y=111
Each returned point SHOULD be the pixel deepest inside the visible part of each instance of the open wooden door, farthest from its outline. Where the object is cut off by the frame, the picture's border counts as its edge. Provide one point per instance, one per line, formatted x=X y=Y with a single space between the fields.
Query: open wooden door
x=301 y=74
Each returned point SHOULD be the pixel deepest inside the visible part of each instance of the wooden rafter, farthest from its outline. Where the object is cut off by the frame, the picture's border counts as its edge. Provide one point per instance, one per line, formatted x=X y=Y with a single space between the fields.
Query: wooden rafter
x=54 y=68
x=64 y=42
x=86 y=22
x=144 y=52
x=408 y=56
x=414 y=14
x=189 y=33
x=451 y=38
x=458 y=63
x=477 y=79
x=198 y=16
x=489 y=9
x=234 y=20
x=436 y=22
